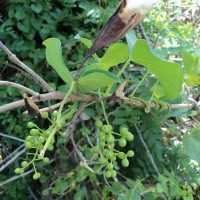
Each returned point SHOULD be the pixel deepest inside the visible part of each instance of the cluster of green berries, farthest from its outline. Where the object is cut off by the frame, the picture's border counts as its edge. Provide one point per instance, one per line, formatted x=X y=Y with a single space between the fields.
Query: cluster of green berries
x=36 y=140
x=108 y=154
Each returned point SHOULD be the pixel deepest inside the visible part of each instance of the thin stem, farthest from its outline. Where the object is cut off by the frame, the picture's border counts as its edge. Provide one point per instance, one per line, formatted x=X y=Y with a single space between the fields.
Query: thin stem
x=148 y=152
x=11 y=137
x=140 y=83
x=103 y=108
x=119 y=74
x=124 y=67
x=65 y=99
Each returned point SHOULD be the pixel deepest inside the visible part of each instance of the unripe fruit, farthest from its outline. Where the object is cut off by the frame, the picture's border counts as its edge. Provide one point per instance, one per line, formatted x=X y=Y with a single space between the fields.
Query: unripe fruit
x=36 y=175
x=45 y=115
x=55 y=113
x=105 y=128
x=98 y=124
x=96 y=149
x=130 y=153
x=17 y=171
x=113 y=173
x=28 y=145
x=34 y=132
x=110 y=139
x=121 y=155
x=45 y=159
x=125 y=163
x=108 y=174
x=123 y=131
x=109 y=166
x=24 y=164
x=102 y=160
x=30 y=125
x=122 y=142
x=50 y=147
x=129 y=137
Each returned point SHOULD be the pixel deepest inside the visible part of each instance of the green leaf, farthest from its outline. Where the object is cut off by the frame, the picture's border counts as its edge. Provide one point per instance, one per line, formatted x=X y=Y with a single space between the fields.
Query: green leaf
x=133 y=194
x=94 y=80
x=55 y=59
x=180 y=112
x=131 y=39
x=157 y=91
x=191 y=144
x=169 y=74
x=88 y=44
x=191 y=64
x=193 y=80
x=117 y=53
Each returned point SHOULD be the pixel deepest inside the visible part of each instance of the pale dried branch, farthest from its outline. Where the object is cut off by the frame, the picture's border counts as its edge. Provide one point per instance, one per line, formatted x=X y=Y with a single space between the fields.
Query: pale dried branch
x=69 y=131
x=18 y=86
x=13 y=58
x=147 y=150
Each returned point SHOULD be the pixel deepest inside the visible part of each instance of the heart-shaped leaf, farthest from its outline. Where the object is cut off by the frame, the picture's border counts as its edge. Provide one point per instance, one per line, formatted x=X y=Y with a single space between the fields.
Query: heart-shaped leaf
x=169 y=74
x=117 y=53
x=55 y=59
x=95 y=79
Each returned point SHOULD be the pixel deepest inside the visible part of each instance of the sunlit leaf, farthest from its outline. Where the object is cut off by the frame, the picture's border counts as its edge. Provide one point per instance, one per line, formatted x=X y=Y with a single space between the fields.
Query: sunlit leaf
x=170 y=75
x=191 y=144
x=55 y=59
x=117 y=53
x=94 y=80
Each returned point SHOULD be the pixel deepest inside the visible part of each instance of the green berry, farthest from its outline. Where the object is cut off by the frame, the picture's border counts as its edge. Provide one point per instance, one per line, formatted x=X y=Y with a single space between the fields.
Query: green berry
x=45 y=159
x=104 y=152
x=17 y=171
x=28 y=145
x=36 y=175
x=110 y=139
x=50 y=147
x=47 y=134
x=124 y=132
x=121 y=155
x=130 y=153
x=30 y=125
x=122 y=142
x=129 y=137
x=108 y=174
x=109 y=154
x=55 y=113
x=114 y=158
x=34 y=132
x=98 y=124
x=102 y=160
x=109 y=166
x=113 y=173
x=125 y=163
x=102 y=138
x=41 y=139
x=96 y=149
x=24 y=164
x=102 y=144
x=45 y=115
x=105 y=128
x=29 y=138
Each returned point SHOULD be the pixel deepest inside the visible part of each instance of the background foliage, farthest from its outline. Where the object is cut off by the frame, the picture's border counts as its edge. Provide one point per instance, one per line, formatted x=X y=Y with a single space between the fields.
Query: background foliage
x=173 y=28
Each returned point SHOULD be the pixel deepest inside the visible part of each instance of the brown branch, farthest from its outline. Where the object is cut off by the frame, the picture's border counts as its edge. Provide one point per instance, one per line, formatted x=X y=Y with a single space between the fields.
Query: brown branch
x=48 y=96
x=13 y=58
